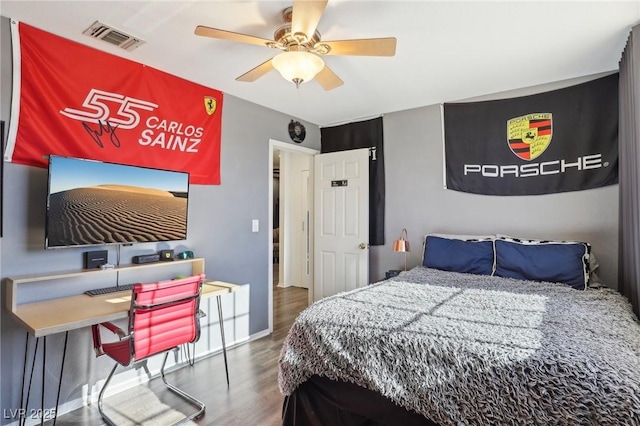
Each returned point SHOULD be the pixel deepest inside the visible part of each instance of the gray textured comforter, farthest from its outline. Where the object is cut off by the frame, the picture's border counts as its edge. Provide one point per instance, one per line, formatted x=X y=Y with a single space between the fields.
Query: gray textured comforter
x=466 y=349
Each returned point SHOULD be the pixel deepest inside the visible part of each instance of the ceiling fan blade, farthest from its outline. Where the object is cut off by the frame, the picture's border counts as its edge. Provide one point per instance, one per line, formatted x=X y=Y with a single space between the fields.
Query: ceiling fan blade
x=257 y=72
x=306 y=15
x=328 y=79
x=201 y=30
x=362 y=47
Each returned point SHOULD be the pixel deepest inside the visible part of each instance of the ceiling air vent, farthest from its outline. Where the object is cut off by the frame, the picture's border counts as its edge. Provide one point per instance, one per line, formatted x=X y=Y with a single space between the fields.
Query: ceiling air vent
x=111 y=35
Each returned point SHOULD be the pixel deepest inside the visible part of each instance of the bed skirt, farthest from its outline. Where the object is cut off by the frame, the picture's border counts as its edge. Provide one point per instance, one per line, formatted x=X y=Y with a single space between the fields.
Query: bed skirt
x=320 y=402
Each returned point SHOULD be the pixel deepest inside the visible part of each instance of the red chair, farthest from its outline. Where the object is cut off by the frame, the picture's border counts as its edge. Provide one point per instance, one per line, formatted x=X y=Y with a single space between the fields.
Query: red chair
x=163 y=316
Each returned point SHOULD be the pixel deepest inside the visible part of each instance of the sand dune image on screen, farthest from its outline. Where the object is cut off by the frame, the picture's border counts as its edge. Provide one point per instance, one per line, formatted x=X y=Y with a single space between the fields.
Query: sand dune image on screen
x=115 y=214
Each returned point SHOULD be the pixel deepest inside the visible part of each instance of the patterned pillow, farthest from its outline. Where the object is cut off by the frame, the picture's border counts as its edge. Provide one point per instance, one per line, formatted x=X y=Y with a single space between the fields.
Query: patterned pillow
x=538 y=260
x=459 y=255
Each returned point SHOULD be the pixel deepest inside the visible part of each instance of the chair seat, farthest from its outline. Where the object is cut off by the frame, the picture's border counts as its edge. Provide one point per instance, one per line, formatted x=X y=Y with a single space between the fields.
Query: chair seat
x=120 y=351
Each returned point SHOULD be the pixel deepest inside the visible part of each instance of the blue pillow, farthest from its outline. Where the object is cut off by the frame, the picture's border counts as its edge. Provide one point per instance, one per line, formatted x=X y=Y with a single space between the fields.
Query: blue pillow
x=472 y=257
x=559 y=262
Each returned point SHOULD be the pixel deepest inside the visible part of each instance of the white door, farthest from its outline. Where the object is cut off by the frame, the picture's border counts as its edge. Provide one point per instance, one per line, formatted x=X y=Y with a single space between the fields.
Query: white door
x=341 y=230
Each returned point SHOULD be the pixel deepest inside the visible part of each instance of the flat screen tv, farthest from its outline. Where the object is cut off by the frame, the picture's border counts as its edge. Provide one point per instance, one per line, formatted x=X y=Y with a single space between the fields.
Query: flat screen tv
x=97 y=203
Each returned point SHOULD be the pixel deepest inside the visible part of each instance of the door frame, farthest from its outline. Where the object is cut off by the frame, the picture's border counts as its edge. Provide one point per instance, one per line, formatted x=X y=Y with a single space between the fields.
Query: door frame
x=275 y=145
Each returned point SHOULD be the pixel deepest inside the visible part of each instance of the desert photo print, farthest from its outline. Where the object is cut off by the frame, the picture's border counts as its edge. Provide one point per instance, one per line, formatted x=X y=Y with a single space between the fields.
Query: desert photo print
x=103 y=203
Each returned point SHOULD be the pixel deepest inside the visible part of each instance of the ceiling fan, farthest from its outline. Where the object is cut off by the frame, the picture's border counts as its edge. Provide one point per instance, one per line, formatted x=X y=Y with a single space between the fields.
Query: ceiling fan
x=302 y=47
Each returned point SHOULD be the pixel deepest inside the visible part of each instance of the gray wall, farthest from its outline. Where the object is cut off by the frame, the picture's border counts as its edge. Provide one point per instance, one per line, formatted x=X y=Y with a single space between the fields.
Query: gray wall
x=417 y=200
x=219 y=231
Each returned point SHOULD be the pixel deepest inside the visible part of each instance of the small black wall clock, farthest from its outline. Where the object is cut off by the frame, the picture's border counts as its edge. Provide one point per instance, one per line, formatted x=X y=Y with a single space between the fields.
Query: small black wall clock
x=297 y=131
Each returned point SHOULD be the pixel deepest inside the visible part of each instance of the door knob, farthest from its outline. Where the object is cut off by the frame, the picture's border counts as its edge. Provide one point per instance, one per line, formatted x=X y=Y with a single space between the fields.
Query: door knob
x=363 y=246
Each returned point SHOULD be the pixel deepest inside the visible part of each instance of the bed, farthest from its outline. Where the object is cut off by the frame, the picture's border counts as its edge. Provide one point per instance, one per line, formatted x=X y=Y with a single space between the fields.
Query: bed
x=489 y=330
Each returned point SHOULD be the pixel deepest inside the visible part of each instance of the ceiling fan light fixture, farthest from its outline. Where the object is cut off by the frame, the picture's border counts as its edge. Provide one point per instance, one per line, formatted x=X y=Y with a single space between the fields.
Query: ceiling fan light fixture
x=298 y=66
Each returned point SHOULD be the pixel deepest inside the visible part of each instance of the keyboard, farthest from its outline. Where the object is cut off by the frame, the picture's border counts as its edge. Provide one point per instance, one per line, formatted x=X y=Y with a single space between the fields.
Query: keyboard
x=107 y=290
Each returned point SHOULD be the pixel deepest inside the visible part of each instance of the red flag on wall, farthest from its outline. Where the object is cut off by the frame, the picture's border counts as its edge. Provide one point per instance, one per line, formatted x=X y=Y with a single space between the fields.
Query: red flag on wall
x=77 y=101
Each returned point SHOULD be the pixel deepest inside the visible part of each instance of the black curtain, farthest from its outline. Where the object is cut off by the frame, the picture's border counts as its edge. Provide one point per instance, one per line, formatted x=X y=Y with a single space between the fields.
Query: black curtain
x=629 y=211
x=363 y=134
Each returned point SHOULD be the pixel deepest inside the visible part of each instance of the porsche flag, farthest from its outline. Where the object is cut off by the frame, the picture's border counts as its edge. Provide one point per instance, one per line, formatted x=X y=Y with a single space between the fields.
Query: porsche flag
x=558 y=141
x=76 y=101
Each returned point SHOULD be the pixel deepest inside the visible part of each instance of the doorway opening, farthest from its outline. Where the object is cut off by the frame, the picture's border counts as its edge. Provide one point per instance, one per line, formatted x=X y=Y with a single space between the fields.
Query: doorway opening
x=291 y=223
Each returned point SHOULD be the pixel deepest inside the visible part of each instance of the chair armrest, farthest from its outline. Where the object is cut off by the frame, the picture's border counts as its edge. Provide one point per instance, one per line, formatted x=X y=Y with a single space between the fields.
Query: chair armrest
x=97 y=340
x=114 y=329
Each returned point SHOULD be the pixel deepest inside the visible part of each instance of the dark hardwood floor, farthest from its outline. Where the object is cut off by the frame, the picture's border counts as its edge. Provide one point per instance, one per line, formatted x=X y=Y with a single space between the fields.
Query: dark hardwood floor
x=253 y=397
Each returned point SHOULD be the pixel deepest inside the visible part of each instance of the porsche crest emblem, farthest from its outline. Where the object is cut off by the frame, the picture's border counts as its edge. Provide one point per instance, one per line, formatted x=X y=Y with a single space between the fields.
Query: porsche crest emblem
x=210 y=104
x=529 y=135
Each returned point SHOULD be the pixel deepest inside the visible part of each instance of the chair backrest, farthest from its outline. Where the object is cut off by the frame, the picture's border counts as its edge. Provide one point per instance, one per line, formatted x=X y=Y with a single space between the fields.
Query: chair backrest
x=164 y=315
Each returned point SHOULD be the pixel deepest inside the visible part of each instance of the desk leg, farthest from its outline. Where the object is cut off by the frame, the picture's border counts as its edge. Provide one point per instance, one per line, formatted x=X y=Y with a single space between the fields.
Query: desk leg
x=64 y=355
x=24 y=405
x=44 y=363
x=24 y=373
x=24 y=377
x=224 y=346
x=23 y=411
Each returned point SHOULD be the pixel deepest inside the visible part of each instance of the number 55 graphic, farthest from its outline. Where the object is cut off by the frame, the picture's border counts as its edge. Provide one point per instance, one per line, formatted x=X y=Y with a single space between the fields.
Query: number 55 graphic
x=98 y=111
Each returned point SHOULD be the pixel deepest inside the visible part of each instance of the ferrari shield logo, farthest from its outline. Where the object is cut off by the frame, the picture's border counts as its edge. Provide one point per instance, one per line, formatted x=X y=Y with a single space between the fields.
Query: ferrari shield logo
x=210 y=104
x=529 y=135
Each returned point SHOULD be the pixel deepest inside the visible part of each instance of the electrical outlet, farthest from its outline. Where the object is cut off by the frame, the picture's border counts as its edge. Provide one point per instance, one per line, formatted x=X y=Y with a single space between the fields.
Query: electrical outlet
x=255 y=225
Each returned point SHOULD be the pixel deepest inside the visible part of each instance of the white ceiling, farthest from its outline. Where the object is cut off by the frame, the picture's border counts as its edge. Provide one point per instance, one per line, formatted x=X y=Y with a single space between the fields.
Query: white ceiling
x=446 y=51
